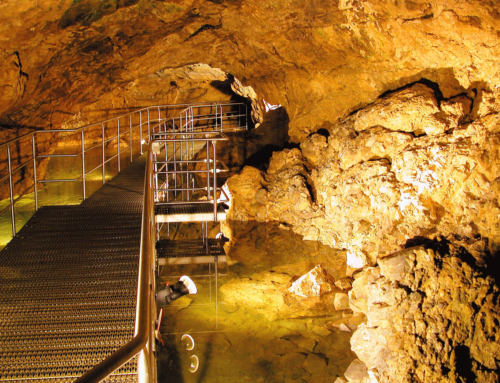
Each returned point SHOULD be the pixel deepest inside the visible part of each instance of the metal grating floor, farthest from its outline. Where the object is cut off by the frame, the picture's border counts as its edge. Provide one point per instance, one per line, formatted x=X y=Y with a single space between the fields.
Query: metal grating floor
x=189 y=212
x=68 y=285
x=189 y=248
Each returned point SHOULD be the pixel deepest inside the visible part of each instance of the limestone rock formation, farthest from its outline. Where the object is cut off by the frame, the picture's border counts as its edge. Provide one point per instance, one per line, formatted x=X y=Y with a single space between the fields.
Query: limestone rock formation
x=406 y=166
x=431 y=317
x=320 y=60
x=313 y=284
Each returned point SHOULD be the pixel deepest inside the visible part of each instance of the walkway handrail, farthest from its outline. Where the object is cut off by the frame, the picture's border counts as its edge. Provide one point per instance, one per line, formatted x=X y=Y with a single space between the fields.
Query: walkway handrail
x=199 y=104
x=143 y=340
x=145 y=119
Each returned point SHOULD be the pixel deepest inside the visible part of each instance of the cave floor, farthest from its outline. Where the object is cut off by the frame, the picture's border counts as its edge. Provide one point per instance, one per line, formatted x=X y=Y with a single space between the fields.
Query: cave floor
x=249 y=328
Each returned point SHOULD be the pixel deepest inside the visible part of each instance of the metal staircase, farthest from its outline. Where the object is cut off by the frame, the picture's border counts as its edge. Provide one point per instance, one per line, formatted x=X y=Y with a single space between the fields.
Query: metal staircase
x=78 y=282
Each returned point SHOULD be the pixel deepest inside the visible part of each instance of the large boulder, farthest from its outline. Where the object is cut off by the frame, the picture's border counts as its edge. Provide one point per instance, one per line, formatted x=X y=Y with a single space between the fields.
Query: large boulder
x=431 y=317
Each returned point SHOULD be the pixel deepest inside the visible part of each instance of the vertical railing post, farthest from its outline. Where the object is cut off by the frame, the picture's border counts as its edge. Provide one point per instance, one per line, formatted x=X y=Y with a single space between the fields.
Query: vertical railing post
x=221 y=119
x=216 y=119
x=103 y=156
x=11 y=191
x=149 y=128
x=214 y=181
x=140 y=130
x=208 y=171
x=35 y=180
x=83 y=164
x=118 y=137
x=130 y=136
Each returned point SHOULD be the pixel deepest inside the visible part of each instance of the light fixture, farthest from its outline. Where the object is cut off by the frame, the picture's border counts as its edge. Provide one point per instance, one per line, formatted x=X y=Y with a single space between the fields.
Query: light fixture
x=166 y=296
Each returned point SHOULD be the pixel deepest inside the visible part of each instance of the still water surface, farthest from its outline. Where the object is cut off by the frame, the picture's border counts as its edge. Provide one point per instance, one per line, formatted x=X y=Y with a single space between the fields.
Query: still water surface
x=249 y=328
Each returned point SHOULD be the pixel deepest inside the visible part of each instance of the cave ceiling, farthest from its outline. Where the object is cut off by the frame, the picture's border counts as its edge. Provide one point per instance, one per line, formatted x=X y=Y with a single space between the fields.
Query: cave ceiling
x=320 y=59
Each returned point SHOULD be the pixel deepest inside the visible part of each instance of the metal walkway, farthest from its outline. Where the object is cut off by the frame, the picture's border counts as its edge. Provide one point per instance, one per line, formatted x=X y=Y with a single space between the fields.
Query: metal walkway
x=66 y=324
x=77 y=283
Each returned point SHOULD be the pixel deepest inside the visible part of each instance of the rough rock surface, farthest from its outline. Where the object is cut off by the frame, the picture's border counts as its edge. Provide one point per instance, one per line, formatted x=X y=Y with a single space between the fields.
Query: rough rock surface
x=431 y=317
x=313 y=284
x=320 y=60
x=405 y=167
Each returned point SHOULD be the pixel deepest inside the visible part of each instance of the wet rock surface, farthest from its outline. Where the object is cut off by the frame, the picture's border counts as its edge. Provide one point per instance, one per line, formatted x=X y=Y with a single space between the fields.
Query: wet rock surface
x=402 y=168
x=431 y=317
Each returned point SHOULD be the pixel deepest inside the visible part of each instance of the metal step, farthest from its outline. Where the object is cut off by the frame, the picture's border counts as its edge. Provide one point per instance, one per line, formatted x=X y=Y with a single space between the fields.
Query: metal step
x=189 y=212
x=172 y=252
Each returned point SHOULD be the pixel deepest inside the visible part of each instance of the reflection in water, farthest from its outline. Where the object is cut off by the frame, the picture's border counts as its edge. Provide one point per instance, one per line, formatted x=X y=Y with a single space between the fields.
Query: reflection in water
x=251 y=328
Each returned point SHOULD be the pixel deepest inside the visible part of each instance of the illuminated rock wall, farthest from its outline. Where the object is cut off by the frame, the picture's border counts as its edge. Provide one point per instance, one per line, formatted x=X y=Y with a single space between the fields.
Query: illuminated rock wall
x=371 y=189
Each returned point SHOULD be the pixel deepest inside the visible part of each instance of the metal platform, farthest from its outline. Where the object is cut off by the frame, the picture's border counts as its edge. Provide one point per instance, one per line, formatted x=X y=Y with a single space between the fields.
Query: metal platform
x=189 y=212
x=181 y=252
x=68 y=285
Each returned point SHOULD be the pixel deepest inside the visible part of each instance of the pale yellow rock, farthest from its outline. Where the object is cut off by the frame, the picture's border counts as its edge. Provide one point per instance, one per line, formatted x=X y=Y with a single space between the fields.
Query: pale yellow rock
x=421 y=310
x=320 y=330
x=313 y=284
x=341 y=301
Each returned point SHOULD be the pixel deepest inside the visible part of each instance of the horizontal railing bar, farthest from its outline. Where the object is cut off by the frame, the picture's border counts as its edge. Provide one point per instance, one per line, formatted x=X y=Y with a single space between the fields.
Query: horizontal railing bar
x=111 y=158
x=186 y=171
x=58 y=155
x=180 y=161
x=155 y=107
x=17 y=199
x=18 y=168
x=201 y=139
x=110 y=139
x=93 y=170
x=19 y=138
x=62 y=180
x=171 y=106
x=211 y=202
x=178 y=189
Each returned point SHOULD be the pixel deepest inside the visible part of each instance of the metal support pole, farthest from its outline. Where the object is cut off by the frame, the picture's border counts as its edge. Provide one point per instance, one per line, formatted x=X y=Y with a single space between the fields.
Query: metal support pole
x=140 y=130
x=130 y=136
x=221 y=120
x=103 y=157
x=210 y=281
x=35 y=181
x=149 y=128
x=83 y=165
x=11 y=191
x=118 y=138
x=216 y=261
x=216 y=119
x=215 y=182
x=208 y=172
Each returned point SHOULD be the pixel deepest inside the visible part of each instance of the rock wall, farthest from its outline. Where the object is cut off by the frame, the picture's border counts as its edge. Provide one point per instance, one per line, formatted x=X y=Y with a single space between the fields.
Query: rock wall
x=431 y=317
x=319 y=59
x=408 y=165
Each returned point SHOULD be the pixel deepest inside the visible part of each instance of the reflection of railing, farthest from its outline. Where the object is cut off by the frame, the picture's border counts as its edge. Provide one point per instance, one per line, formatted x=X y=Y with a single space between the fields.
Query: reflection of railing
x=143 y=341
x=135 y=126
